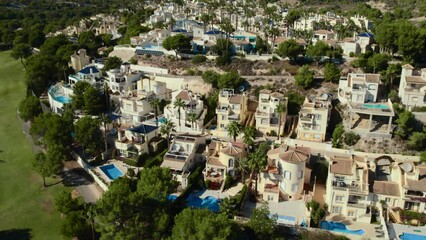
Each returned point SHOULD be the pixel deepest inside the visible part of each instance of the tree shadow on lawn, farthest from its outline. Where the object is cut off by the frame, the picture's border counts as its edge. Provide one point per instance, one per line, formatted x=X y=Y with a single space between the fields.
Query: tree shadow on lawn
x=18 y=234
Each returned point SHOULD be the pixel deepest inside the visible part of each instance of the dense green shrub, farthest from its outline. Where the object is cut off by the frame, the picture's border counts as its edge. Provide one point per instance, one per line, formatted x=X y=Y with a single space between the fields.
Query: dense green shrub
x=208 y=182
x=351 y=138
x=198 y=59
x=229 y=180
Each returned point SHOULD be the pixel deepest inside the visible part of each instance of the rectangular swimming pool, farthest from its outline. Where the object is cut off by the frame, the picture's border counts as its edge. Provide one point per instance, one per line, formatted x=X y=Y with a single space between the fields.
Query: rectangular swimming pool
x=375 y=106
x=111 y=171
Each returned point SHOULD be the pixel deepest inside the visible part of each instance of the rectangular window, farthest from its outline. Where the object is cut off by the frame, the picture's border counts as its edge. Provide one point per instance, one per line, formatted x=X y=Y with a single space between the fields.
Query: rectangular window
x=307 y=135
x=294 y=187
x=351 y=213
x=317 y=127
x=337 y=210
x=300 y=174
x=287 y=175
x=270 y=198
x=317 y=136
x=339 y=198
x=223 y=117
x=387 y=200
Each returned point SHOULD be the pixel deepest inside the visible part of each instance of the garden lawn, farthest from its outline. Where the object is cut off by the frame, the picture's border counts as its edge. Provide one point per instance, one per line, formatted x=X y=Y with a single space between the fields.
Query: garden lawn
x=25 y=206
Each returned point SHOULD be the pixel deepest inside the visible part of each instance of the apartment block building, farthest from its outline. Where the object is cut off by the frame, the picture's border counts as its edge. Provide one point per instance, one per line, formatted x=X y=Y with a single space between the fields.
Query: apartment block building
x=347 y=189
x=313 y=118
x=191 y=118
x=133 y=141
x=357 y=184
x=368 y=113
x=122 y=79
x=267 y=116
x=231 y=107
x=412 y=87
x=185 y=152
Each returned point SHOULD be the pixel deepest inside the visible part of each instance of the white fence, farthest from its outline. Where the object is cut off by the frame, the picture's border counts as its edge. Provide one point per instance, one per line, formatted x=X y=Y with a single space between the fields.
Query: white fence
x=89 y=169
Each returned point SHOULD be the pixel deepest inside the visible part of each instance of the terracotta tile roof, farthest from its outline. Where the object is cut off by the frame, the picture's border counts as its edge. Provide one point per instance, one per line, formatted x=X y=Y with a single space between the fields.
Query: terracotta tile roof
x=417 y=185
x=236 y=99
x=341 y=165
x=265 y=91
x=322 y=31
x=215 y=162
x=294 y=156
x=420 y=184
x=348 y=39
x=184 y=95
x=415 y=79
x=386 y=188
x=277 y=95
x=299 y=41
x=231 y=149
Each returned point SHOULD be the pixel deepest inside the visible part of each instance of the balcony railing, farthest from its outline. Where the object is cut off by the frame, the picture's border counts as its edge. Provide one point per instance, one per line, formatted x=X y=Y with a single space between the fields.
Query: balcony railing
x=354 y=188
x=357 y=205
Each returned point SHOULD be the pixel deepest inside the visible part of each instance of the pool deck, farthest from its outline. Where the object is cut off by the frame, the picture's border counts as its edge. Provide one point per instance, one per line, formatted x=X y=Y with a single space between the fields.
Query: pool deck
x=370 y=231
x=119 y=164
x=400 y=229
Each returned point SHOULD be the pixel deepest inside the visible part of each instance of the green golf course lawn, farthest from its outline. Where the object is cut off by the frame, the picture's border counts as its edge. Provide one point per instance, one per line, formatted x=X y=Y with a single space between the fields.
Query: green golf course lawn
x=26 y=208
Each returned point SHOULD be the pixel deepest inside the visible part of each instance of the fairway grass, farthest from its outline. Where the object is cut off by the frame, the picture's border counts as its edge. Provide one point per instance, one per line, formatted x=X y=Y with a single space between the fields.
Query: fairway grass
x=24 y=204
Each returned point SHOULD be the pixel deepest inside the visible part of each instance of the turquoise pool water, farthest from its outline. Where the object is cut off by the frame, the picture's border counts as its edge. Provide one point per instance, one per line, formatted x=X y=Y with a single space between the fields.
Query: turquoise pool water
x=411 y=236
x=209 y=202
x=63 y=99
x=111 y=171
x=162 y=120
x=339 y=227
x=376 y=106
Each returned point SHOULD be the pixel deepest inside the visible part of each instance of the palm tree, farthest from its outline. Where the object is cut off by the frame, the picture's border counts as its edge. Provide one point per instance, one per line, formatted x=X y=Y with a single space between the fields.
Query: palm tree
x=234 y=128
x=281 y=109
x=154 y=104
x=165 y=129
x=243 y=167
x=192 y=117
x=105 y=120
x=257 y=162
x=179 y=104
x=249 y=133
x=227 y=27
x=90 y=216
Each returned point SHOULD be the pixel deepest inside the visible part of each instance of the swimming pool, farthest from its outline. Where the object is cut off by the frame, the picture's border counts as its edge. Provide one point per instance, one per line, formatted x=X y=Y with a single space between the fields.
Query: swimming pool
x=63 y=99
x=162 y=120
x=375 y=106
x=411 y=236
x=339 y=227
x=209 y=202
x=111 y=171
